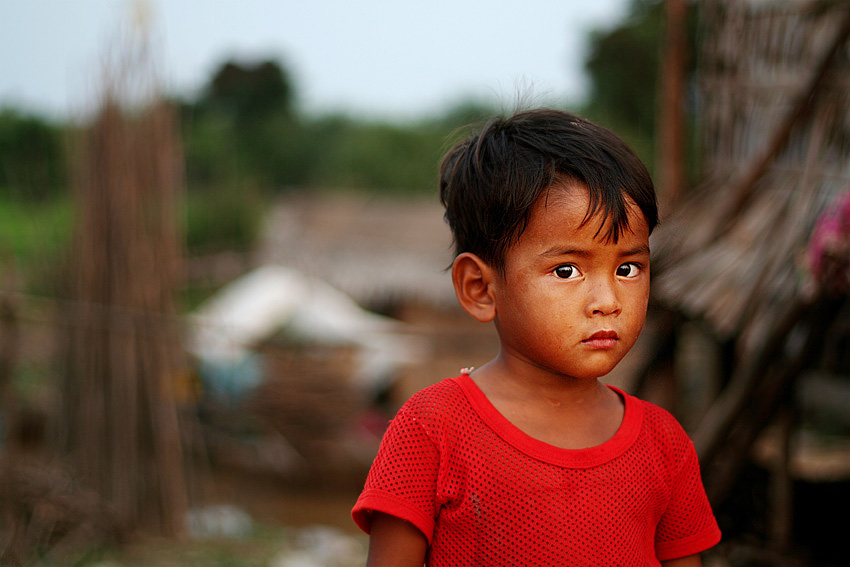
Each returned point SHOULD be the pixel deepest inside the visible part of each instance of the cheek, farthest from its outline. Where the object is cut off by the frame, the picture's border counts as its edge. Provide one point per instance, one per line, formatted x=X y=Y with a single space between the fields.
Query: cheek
x=637 y=308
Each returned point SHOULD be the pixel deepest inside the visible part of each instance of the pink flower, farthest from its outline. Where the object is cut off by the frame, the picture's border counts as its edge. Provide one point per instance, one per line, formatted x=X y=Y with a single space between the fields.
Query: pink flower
x=828 y=255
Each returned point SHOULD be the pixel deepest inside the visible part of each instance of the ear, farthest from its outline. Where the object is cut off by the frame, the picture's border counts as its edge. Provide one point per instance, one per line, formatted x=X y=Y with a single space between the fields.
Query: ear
x=473 y=280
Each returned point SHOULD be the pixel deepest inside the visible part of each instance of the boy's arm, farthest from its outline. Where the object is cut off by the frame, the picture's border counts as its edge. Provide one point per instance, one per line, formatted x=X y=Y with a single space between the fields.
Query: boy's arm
x=689 y=561
x=394 y=542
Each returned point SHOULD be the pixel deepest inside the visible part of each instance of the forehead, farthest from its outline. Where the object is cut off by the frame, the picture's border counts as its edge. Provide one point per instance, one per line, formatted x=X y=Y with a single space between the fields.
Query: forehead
x=564 y=209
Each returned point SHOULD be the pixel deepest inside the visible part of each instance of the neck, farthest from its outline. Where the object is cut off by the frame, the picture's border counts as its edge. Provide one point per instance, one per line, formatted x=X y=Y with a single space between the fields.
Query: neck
x=521 y=380
x=564 y=411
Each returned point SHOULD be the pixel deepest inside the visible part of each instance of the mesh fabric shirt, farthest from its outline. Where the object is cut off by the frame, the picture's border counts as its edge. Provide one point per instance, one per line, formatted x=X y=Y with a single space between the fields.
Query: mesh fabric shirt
x=485 y=493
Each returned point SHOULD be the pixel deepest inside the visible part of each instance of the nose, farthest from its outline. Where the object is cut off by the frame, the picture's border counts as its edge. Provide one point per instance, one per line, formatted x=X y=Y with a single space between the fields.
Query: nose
x=603 y=298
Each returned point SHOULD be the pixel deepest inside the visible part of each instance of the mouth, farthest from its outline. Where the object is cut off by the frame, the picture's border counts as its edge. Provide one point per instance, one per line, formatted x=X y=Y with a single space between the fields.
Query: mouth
x=602 y=340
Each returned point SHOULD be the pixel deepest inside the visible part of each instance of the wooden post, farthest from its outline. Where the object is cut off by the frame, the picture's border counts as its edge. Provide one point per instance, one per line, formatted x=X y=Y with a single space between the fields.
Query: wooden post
x=8 y=415
x=782 y=484
x=8 y=359
x=671 y=135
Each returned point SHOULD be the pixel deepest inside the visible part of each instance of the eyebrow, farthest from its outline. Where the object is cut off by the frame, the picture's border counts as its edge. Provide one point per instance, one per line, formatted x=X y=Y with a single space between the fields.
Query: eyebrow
x=555 y=251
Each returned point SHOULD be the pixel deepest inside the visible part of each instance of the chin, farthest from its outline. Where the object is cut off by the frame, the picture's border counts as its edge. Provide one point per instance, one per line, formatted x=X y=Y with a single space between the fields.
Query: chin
x=598 y=370
x=587 y=374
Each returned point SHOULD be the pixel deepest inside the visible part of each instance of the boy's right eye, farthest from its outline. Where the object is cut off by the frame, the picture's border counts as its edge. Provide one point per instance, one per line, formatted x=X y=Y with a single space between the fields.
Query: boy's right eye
x=566 y=271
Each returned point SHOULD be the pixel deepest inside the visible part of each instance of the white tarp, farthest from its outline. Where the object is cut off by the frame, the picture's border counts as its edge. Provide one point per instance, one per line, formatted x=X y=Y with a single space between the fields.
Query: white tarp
x=270 y=298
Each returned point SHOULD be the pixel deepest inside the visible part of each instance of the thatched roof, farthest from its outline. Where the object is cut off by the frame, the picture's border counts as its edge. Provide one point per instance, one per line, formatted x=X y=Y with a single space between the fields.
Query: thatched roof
x=375 y=249
x=774 y=107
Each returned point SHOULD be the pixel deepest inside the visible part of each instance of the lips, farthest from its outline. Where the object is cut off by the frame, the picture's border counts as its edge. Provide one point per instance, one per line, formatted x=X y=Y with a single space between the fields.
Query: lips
x=602 y=340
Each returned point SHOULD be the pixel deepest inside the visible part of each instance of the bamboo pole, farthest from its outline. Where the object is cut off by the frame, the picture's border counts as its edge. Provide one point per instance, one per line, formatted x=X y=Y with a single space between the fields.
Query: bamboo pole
x=122 y=352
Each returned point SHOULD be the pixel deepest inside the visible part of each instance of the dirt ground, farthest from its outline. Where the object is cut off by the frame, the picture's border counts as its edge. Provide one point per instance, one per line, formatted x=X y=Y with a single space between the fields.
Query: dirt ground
x=270 y=500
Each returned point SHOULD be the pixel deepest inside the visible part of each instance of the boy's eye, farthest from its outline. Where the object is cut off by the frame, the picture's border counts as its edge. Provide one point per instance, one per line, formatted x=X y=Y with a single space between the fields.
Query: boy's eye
x=628 y=270
x=566 y=271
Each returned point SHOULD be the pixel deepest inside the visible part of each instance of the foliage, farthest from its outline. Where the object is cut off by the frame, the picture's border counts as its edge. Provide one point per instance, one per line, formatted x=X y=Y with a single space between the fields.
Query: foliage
x=375 y=155
x=222 y=217
x=32 y=163
x=286 y=151
x=249 y=92
x=623 y=66
x=36 y=235
x=245 y=128
x=623 y=69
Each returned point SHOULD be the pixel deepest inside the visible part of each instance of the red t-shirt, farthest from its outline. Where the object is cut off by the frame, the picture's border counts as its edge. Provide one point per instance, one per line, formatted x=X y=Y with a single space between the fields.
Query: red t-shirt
x=485 y=493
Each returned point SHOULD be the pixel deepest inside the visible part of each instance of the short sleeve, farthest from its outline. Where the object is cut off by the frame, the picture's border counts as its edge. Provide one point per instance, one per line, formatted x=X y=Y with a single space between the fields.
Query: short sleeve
x=403 y=479
x=687 y=525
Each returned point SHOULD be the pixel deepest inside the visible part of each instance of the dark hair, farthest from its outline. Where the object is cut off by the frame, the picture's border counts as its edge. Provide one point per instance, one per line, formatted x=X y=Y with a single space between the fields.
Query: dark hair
x=490 y=181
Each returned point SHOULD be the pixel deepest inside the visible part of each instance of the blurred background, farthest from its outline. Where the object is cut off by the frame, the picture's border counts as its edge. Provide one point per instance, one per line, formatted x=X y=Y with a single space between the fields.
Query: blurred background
x=222 y=257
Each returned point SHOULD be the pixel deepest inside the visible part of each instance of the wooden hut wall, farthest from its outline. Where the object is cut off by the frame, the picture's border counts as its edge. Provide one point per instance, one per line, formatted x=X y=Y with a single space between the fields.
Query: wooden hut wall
x=773 y=106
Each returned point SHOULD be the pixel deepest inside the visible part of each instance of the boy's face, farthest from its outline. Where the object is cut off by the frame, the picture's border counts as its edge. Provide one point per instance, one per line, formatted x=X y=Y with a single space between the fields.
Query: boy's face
x=570 y=302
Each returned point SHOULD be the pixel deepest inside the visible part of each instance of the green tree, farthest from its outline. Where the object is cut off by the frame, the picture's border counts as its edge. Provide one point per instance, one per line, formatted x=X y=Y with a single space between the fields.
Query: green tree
x=238 y=128
x=623 y=66
x=32 y=156
x=250 y=91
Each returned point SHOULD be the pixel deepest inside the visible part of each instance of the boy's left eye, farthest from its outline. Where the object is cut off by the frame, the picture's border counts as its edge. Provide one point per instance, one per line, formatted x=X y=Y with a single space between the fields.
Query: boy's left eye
x=628 y=270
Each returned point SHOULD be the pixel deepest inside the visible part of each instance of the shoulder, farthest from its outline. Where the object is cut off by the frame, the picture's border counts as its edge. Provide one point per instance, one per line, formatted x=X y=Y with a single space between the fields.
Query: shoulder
x=437 y=395
x=664 y=431
x=435 y=405
x=660 y=420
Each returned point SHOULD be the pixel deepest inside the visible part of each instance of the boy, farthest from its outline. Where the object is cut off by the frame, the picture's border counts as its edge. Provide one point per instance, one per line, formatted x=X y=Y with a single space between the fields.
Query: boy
x=530 y=459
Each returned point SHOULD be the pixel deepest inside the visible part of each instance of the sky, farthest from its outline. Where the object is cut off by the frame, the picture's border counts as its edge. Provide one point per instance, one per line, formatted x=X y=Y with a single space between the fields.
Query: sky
x=392 y=59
